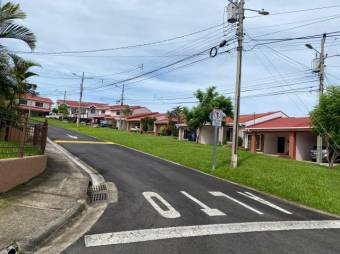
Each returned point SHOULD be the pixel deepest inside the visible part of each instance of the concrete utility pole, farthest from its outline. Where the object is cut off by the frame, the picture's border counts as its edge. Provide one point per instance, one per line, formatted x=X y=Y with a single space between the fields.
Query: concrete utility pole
x=321 y=70
x=80 y=98
x=121 y=107
x=64 y=97
x=234 y=149
x=322 y=77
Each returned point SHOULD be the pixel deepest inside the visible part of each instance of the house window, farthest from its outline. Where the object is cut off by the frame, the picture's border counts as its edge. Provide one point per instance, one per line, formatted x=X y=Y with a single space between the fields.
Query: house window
x=103 y=111
x=39 y=104
x=117 y=113
x=92 y=110
x=74 y=110
x=22 y=102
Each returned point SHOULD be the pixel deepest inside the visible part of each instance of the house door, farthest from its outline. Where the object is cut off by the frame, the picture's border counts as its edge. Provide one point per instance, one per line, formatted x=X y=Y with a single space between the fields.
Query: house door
x=281 y=144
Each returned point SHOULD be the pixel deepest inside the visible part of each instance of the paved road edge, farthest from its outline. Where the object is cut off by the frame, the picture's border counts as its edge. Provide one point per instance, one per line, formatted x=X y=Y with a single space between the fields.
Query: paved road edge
x=237 y=184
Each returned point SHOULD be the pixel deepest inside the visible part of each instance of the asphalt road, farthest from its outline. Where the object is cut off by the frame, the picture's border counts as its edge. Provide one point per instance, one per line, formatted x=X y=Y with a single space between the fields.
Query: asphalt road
x=166 y=199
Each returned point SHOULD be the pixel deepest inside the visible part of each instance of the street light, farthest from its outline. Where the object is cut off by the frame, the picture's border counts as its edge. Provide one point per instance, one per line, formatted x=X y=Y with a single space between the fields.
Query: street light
x=311 y=47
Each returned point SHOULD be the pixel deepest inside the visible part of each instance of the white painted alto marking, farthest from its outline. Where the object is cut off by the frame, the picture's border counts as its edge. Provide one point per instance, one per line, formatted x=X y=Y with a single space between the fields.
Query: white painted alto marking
x=265 y=202
x=153 y=234
x=221 y=194
x=171 y=213
x=206 y=209
x=73 y=137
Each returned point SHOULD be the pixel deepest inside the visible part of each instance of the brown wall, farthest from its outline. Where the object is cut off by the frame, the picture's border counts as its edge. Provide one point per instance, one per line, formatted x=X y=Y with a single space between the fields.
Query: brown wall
x=16 y=171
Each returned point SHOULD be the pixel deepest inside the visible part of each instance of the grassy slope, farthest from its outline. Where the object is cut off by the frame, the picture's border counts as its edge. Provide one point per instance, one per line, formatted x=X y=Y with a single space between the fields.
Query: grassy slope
x=302 y=182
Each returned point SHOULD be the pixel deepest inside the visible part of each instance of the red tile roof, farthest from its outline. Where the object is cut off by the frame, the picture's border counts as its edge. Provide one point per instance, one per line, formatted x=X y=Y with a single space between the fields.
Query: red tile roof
x=33 y=108
x=83 y=104
x=36 y=98
x=283 y=124
x=249 y=117
x=119 y=107
x=140 y=116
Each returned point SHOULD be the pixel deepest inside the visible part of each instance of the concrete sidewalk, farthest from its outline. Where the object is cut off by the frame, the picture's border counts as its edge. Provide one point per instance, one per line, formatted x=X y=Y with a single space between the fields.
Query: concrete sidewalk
x=30 y=213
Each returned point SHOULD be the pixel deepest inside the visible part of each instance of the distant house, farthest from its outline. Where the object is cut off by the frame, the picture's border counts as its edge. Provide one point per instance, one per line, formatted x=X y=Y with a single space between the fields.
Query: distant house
x=91 y=111
x=248 y=120
x=287 y=136
x=34 y=105
x=114 y=114
x=162 y=122
x=225 y=133
x=134 y=121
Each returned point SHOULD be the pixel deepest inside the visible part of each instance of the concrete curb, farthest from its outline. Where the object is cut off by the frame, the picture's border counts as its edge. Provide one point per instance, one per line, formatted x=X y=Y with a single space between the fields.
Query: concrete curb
x=30 y=245
x=95 y=177
x=237 y=184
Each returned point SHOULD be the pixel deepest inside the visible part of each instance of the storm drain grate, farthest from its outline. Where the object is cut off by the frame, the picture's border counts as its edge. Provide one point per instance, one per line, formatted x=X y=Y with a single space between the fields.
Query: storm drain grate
x=96 y=197
x=97 y=193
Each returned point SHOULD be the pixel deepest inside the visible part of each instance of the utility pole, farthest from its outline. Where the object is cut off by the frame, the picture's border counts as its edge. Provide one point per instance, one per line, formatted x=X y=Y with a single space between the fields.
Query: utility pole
x=80 y=98
x=121 y=107
x=234 y=149
x=321 y=70
x=64 y=97
x=322 y=77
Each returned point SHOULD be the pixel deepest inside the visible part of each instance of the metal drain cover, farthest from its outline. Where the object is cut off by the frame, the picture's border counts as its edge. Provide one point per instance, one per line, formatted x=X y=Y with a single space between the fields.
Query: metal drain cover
x=106 y=192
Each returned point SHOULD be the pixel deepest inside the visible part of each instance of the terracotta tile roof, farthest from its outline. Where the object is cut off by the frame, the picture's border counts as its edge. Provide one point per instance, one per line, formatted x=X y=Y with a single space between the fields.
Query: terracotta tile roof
x=84 y=104
x=283 y=123
x=119 y=107
x=249 y=117
x=33 y=108
x=36 y=98
x=163 y=119
x=140 y=116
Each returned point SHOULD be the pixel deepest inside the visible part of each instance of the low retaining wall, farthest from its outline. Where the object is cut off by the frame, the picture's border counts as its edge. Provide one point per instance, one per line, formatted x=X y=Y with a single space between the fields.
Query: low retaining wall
x=16 y=171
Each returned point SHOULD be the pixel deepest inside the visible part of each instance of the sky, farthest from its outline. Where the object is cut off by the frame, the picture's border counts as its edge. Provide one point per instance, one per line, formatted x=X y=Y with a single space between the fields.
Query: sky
x=268 y=72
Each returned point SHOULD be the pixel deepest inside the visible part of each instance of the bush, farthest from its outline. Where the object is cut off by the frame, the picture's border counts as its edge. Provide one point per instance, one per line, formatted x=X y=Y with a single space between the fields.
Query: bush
x=240 y=141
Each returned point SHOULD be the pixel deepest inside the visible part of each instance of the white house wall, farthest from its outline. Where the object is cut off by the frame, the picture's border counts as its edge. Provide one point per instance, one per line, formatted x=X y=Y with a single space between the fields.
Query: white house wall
x=304 y=143
x=270 y=142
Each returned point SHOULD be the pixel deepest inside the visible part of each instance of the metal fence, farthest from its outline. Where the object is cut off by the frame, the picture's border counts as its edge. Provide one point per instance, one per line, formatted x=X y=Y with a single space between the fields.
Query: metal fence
x=19 y=136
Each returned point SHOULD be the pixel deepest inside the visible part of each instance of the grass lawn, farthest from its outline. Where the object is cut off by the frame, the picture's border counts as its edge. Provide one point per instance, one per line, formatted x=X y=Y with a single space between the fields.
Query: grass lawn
x=305 y=183
x=11 y=150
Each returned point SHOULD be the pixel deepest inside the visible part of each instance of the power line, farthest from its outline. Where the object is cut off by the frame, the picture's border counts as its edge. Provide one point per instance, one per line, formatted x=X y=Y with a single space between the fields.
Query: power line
x=121 y=47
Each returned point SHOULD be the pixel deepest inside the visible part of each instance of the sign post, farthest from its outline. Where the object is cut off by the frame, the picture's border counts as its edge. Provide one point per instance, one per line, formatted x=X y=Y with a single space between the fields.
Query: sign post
x=216 y=117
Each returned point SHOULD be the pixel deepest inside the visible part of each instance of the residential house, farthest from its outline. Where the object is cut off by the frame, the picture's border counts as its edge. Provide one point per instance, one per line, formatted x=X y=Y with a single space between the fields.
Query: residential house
x=134 y=121
x=90 y=111
x=287 y=136
x=162 y=123
x=34 y=105
x=114 y=114
x=225 y=133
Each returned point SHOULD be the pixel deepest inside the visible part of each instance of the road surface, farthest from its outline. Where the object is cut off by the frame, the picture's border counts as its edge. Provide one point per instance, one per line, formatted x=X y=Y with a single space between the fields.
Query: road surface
x=167 y=208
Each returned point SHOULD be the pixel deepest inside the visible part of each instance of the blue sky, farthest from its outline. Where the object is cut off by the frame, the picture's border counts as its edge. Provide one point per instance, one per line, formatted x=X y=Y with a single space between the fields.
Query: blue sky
x=75 y=25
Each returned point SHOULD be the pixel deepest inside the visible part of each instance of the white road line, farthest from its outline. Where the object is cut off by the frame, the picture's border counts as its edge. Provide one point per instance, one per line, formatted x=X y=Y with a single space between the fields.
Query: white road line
x=204 y=230
x=206 y=209
x=221 y=194
x=73 y=137
x=171 y=213
x=265 y=202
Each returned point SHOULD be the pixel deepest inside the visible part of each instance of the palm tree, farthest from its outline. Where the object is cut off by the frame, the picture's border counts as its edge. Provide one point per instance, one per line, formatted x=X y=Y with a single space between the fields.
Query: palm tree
x=10 y=12
x=20 y=72
x=176 y=113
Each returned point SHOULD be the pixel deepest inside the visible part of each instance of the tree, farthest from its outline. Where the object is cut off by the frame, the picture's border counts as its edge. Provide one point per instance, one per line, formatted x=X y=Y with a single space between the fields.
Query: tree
x=147 y=124
x=207 y=101
x=326 y=122
x=127 y=111
x=20 y=73
x=9 y=13
x=177 y=113
x=62 y=110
